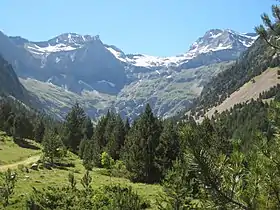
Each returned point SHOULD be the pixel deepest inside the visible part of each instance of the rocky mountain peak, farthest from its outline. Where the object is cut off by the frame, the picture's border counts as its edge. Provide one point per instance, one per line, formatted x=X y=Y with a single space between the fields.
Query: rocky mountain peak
x=72 y=39
x=217 y=39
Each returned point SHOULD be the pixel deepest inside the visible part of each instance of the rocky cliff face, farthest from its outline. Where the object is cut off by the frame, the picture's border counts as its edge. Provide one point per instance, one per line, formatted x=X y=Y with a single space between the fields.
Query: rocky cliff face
x=102 y=76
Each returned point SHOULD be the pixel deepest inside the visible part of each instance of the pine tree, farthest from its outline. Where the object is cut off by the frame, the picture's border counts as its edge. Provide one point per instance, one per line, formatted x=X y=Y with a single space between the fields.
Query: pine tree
x=74 y=131
x=82 y=147
x=88 y=128
x=52 y=146
x=99 y=134
x=140 y=148
x=168 y=148
x=22 y=128
x=89 y=155
x=116 y=138
x=272 y=33
x=99 y=139
x=5 y=112
x=39 y=130
x=110 y=124
x=127 y=126
x=182 y=189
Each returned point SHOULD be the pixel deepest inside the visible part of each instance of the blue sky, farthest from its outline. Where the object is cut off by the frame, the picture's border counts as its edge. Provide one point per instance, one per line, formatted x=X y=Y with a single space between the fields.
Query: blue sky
x=154 y=27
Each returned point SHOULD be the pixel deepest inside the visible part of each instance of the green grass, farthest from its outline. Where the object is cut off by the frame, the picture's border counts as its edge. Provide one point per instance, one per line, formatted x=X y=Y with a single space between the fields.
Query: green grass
x=44 y=177
x=11 y=152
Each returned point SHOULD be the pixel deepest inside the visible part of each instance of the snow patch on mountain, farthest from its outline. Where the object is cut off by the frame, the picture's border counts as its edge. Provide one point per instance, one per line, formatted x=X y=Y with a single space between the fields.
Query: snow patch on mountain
x=117 y=54
x=49 y=49
x=107 y=82
x=142 y=60
x=153 y=61
x=213 y=40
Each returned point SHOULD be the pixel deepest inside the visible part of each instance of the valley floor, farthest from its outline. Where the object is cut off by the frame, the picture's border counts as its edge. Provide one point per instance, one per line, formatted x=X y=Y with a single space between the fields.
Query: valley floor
x=43 y=178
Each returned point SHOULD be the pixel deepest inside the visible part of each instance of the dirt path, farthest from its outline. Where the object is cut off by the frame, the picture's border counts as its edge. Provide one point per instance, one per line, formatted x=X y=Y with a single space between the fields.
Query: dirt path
x=27 y=161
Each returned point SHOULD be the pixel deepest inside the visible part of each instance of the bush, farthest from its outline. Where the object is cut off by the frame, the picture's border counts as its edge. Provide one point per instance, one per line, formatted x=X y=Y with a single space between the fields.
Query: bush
x=119 y=170
x=107 y=161
x=122 y=197
x=108 y=197
x=7 y=187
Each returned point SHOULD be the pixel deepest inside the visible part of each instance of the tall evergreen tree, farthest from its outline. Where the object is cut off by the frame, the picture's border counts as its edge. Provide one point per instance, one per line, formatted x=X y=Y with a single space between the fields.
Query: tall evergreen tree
x=168 y=148
x=116 y=138
x=99 y=134
x=88 y=155
x=5 y=112
x=127 y=126
x=74 y=127
x=52 y=146
x=140 y=148
x=22 y=127
x=88 y=128
x=39 y=130
x=110 y=124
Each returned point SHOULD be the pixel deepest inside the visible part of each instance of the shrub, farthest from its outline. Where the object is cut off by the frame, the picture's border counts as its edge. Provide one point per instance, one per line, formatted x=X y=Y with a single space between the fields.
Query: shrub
x=107 y=161
x=7 y=187
x=120 y=170
x=122 y=197
x=108 y=197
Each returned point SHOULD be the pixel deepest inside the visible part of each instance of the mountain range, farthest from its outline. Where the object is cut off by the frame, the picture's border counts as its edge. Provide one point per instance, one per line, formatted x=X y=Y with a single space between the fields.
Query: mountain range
x=73 y=67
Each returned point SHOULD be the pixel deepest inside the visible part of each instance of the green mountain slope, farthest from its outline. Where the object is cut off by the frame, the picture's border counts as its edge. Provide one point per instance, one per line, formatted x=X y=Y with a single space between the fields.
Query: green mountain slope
x=253 y=62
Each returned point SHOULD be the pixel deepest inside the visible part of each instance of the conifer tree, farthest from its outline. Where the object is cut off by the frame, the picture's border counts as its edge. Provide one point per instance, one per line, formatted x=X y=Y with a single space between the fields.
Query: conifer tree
x=99 y=140
x=168 y=148
x=181 y=187
x=22 y=127
x=5 y=112
x=127 y=126
x=140 y=148
x=89 y=157
x=116 y=138
x=39 y=130
x=52 y=146
x=74 y=131
x=110 y=124
x=99 y=134
x=88 y=128
x=270 y=31
x=82 y=147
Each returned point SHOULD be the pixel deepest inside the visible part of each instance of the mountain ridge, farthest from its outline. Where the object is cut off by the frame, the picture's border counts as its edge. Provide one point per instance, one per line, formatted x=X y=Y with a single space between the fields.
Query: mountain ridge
x=83 y=64
x=65 y=42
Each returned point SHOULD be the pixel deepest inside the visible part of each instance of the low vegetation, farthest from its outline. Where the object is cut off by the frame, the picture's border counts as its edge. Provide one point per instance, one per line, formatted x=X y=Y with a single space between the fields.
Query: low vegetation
x=11 y=152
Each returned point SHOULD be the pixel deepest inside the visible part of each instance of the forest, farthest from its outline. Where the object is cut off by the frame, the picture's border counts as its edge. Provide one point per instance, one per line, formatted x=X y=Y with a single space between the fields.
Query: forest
x=230 y=161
